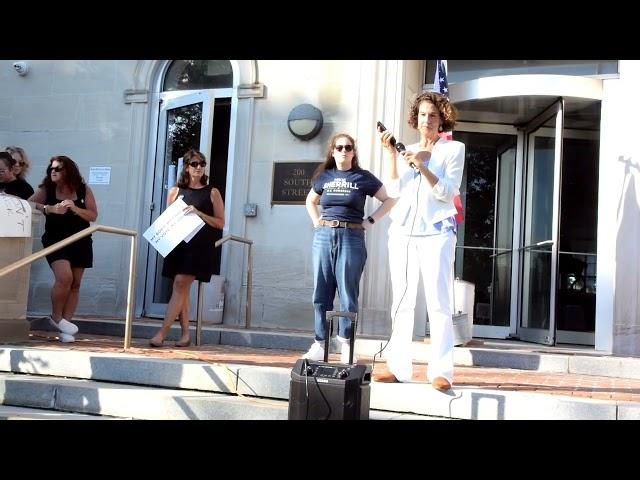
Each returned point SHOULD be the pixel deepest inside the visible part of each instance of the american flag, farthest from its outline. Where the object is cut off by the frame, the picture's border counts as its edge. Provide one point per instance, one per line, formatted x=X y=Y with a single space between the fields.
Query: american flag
x=441 y=85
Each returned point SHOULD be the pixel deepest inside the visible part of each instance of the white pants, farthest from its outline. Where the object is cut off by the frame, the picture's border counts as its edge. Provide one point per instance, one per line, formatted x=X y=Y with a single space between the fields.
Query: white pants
x=432 y=255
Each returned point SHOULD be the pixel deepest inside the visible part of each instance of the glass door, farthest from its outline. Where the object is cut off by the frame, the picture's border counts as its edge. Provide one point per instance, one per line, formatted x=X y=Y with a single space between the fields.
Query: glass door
x=485 y=237
x=539 y=243
x=185 y=121
x=576 y=289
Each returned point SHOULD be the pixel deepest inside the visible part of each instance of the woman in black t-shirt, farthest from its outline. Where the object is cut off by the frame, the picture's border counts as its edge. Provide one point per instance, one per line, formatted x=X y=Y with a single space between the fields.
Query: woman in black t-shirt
x=9 y=184
x=340 y=187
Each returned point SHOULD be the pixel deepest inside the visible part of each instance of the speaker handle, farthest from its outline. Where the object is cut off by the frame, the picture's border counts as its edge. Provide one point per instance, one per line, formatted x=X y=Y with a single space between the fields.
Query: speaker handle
x=353 y=317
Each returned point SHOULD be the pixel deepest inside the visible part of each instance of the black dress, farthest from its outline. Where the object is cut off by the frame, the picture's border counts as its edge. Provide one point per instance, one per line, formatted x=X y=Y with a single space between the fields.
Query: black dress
x=197 y=256
x=58 y=227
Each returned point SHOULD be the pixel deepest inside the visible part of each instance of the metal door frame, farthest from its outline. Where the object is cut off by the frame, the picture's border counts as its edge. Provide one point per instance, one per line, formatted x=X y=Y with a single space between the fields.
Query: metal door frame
x=530 y=334
x=494 y=331
x=169 y=101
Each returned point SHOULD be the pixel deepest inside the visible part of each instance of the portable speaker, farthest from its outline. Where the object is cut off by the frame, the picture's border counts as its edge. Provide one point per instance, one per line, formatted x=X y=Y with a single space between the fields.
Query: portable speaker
x=322 y=391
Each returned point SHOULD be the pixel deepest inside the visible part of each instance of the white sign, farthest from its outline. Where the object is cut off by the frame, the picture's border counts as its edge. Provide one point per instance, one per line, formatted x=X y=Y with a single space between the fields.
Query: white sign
x=99 y=175
x=15 y=216
x=172 y=227
x=188 y=238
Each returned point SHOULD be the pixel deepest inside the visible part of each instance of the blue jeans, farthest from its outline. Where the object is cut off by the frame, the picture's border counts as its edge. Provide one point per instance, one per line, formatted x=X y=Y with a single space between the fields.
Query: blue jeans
x=339 y=255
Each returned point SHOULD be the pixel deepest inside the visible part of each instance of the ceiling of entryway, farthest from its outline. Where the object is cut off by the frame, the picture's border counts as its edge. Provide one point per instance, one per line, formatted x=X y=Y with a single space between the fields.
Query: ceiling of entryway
x=518 y=99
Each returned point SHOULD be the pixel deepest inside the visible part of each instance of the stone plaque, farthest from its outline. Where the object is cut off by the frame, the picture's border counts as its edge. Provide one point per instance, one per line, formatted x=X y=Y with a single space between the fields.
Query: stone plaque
x=291 y=182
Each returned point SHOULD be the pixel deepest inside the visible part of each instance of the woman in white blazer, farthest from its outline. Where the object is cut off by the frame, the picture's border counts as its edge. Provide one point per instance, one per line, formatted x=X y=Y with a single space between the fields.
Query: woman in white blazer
x=422 y=237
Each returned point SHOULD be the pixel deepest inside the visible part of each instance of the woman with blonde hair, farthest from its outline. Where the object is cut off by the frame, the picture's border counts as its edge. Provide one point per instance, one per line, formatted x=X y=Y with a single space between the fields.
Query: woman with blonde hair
x=21 y=168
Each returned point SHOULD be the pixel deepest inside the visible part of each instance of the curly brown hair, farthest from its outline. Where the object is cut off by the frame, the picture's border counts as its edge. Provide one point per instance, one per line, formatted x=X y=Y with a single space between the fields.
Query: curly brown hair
x=329 y=161
x=448 y=113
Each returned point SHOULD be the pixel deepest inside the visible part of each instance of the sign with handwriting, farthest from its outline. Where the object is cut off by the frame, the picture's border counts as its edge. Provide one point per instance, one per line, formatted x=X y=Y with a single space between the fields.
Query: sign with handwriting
x=15 y=216
x=172 y=227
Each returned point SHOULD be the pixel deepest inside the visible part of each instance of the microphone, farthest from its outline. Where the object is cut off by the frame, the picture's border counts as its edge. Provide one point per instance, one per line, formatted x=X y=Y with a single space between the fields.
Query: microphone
x=401 y=149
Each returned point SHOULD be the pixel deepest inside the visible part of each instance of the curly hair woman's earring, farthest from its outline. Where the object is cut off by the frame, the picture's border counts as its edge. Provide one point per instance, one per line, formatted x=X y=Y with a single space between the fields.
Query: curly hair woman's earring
x=440 y=128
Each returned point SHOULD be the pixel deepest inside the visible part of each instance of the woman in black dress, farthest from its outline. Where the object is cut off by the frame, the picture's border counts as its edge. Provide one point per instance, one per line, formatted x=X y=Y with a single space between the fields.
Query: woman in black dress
x=194 y=260
x=69 y=206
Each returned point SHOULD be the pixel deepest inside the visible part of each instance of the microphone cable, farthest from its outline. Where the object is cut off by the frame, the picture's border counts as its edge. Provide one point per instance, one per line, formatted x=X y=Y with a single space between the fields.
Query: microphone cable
x=306 y=386
x=307 y=369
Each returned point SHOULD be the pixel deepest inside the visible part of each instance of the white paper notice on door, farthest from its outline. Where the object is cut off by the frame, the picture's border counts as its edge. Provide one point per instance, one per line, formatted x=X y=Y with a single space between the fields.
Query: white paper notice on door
x=15 y=216
x=172 y=227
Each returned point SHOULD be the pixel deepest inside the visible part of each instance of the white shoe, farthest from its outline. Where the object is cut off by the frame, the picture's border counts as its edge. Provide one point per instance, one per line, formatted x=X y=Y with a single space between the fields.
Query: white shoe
x=344 y=354
x=316 y=352
x=344 y=351
x=66 y=338
x=64 y=326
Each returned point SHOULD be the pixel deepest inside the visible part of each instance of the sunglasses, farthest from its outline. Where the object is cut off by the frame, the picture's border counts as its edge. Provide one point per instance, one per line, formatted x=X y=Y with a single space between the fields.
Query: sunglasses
x=196 y=164
x=22 y=163
x=347 y=148
x=55 y=169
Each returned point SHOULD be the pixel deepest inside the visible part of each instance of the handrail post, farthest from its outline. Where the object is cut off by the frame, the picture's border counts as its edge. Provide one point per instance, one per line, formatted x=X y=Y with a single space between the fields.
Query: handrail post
x=247 y=318
x=199 y=316
x=128 y=326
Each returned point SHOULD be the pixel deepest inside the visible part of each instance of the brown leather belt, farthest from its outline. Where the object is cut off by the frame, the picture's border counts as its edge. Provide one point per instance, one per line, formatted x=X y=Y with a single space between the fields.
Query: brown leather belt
x=339 y=224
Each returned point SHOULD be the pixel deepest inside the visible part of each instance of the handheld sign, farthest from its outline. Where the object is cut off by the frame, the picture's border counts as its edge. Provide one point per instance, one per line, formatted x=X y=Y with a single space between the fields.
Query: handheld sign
x=172 y=227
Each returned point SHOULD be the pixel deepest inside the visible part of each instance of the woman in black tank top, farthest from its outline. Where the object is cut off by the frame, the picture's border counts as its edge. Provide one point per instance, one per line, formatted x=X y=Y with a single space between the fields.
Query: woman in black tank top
x=69 y=205
x=194 y=260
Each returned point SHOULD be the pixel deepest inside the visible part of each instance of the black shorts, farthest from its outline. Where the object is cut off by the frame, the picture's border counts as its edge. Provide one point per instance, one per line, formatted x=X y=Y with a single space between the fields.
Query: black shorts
x=79 y=254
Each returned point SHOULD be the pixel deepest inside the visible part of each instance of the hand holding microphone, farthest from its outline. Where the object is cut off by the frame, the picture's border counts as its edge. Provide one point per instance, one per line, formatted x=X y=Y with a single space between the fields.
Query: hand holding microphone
x=398 y=145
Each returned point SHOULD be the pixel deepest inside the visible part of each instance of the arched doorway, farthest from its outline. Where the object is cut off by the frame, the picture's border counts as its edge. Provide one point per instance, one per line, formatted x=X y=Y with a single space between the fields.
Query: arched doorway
x=194 y=111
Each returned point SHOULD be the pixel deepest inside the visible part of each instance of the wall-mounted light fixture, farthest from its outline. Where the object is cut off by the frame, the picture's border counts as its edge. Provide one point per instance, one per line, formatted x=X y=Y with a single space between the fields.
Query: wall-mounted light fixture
x=21 y=67
x=305 y=121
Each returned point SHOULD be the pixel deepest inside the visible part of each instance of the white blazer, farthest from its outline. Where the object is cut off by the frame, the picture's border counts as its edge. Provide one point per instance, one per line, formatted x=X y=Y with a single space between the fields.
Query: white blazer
x=432 y=204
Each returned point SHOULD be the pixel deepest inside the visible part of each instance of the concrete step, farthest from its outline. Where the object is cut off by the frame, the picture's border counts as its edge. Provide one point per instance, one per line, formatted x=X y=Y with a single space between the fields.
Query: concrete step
x=495 y=354
x=133 y=401
x=181 y=388
x=72 y=399
x=10 y=412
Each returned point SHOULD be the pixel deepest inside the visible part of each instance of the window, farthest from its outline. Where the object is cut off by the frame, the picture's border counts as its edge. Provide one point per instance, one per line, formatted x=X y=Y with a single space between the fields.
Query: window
x=198 y=75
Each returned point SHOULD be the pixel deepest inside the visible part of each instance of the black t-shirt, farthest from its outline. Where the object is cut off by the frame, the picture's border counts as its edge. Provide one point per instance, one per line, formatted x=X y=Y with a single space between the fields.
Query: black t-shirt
x=18 y=187
x=343 y=193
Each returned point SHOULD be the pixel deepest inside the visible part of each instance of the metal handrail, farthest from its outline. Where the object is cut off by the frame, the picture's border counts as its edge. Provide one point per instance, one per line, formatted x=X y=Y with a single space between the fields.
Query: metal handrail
x=247 y=320
x=77 y=236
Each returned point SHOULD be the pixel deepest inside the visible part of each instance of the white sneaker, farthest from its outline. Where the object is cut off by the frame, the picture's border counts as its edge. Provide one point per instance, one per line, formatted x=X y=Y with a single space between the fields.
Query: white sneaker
x=344 y=354
x=66 y=338
x=344 y=351
x=64 y=326
x=316 y=352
